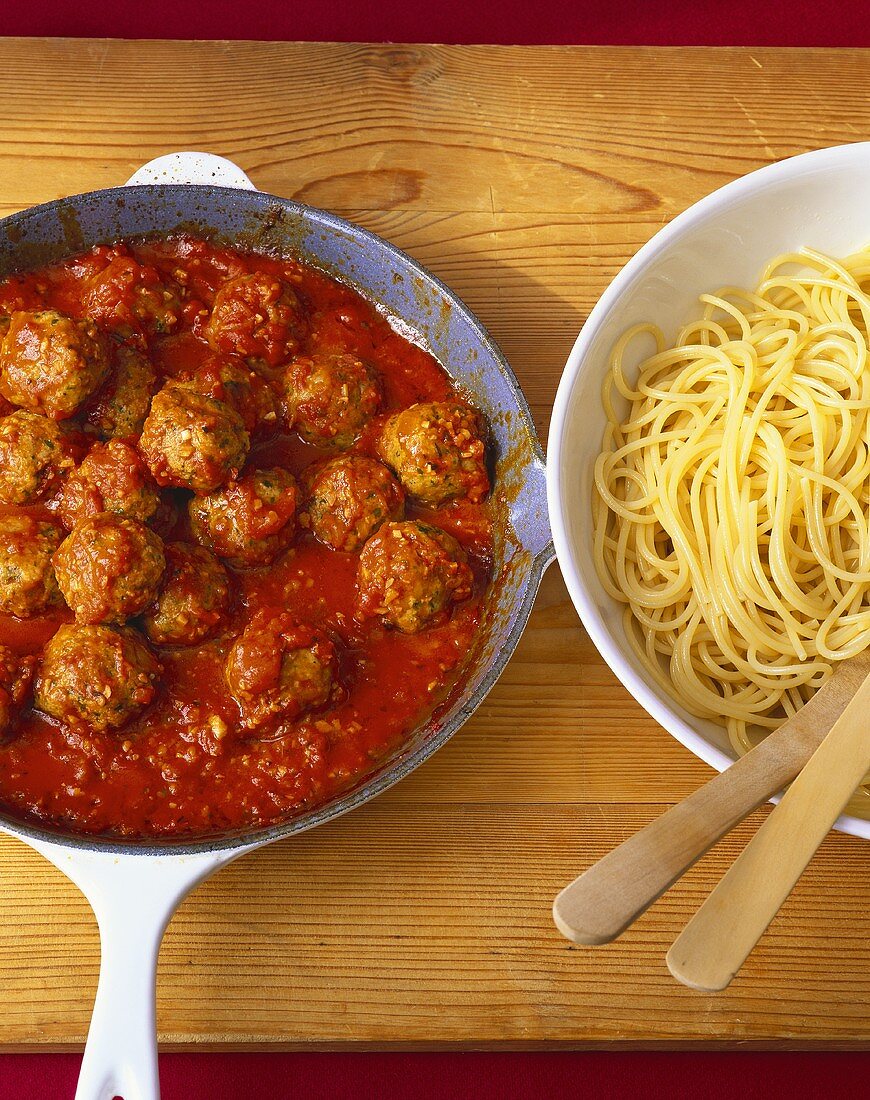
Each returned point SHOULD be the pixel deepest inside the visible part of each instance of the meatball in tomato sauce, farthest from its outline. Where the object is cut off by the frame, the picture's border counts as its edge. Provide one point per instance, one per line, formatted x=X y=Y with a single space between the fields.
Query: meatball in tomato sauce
x=50 y=363
x=257 y=316
x=328 y=399
x=250 y=521
x=349 y=498
x=192 y=441
x=34 y=456
x=410 y=573
x=437 y=451
x=194 y=597
x=96 y=676
x=119 y=409
x=279 y=669
x=28 y=585
x=111 y=478
x=131 y=298
x=109 y=568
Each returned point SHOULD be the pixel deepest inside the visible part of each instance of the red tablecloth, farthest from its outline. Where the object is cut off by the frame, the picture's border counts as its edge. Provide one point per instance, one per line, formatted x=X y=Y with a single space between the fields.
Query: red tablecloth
x=608 y=22
x=710 y=1076
x=509 y=1076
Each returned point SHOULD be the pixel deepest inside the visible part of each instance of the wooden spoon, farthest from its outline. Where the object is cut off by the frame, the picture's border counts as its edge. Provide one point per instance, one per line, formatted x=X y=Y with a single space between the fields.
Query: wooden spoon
x=600 y=904
x=716 y=941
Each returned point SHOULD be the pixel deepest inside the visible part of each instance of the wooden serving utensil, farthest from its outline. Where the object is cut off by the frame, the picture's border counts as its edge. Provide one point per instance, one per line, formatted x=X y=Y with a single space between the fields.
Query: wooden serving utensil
x=716 y=941
x=608 y=897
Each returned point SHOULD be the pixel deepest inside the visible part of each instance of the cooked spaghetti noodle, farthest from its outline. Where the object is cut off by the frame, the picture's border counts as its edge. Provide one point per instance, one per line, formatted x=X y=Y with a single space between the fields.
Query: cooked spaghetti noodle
x=732 y=503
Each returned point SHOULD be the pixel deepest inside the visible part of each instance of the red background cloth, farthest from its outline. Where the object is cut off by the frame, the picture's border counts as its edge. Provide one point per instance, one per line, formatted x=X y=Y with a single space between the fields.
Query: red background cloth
x=507 y=1076
x=711 y=1076
x=608 y=22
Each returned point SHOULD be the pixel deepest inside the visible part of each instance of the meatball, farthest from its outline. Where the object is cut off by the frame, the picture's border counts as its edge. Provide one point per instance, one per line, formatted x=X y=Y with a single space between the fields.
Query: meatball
x=34 y=455
x=329 y=398
x=96 y=676
x=257 y=316
x=278 y=669
x=228 y=379
x=109 y=568
x=349 y=498
x=27 y=582
x=250 y=521
x=16 y=675
x=192 y=441
x=131 y=298
x=194 y=599
x=120 y=407
x=436 y=449
x=112 y=478
x=410 y=573
x=50 y=363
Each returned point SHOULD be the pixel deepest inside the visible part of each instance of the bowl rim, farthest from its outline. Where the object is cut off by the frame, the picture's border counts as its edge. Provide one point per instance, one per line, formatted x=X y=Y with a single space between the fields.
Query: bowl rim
x=632 y=272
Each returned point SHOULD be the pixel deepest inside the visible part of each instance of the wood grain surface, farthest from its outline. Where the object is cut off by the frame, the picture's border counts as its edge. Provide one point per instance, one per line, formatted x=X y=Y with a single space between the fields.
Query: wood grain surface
x=524 y=177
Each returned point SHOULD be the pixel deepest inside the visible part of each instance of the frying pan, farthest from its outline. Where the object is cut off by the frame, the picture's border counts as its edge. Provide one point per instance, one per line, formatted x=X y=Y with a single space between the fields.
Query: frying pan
x=135 y=887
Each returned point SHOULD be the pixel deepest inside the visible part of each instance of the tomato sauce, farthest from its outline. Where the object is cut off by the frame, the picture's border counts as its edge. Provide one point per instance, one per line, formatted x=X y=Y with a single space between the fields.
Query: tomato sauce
x=185 y=766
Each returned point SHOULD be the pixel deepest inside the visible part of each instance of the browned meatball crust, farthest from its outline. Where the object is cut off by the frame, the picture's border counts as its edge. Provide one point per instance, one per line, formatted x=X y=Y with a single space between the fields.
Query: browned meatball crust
x=257 y=316
x=250 y=521
x=109 y=568
x=349 y=498
x=328 y=399
x=34 y=456
x=119 y=409
x=50 y=363
x=437 y=451
x=410 y=573
x=27 y=582
x=192 y=441
x=194 y=598
x=112 y=478
x=96 y=676
x=278 y=669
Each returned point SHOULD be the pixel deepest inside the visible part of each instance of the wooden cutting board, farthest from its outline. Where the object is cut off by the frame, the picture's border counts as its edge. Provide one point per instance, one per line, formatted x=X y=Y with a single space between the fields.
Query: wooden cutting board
x=524 y=177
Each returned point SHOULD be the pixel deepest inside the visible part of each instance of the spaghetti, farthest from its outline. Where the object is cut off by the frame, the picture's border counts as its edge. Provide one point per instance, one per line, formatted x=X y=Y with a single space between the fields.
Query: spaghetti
x=732 y=503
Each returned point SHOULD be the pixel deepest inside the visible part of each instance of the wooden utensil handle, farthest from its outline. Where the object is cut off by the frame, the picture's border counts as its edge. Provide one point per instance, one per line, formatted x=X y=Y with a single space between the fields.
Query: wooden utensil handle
x=600 y=904
x=716 y=941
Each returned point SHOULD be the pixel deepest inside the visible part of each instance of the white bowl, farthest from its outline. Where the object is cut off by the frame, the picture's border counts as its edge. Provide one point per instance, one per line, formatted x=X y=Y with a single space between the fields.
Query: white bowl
x=818 y=199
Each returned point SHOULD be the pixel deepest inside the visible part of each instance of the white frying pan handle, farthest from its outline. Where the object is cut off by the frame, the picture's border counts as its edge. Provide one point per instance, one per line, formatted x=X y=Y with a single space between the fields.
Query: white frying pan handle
x=192 y=168
x=133 y=897
x=121 y=1053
